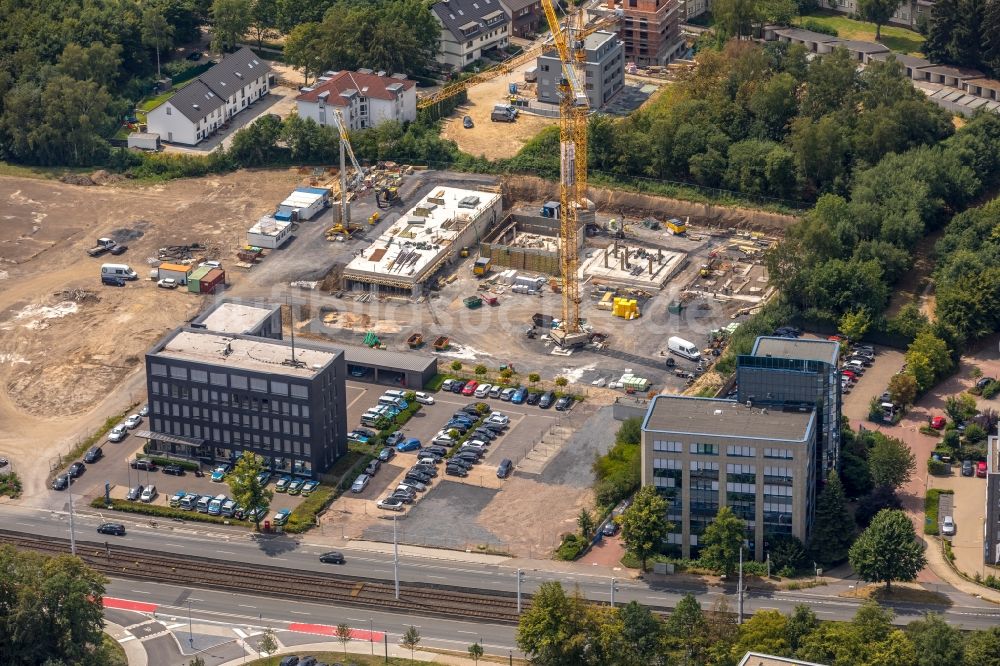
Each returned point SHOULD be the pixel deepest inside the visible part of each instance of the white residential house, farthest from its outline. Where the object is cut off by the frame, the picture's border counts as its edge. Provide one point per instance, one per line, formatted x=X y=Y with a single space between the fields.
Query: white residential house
x=470 y=27
x=364 y=98
x=198 y=109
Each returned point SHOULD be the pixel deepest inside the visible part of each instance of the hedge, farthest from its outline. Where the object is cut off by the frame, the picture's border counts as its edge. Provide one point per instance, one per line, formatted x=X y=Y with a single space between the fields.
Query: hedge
x=304 y=515
x=938 y=468
x=931 y=504
x=571 y=547
x=160 y=511
x=164 y=461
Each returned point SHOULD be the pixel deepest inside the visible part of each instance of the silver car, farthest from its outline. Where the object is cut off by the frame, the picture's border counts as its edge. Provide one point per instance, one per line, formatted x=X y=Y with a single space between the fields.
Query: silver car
x=360 y=483
x=118 y=433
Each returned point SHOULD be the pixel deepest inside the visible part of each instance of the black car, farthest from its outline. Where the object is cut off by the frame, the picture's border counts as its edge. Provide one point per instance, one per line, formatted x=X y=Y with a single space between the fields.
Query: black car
x=61 y=482
x=610 y=529
x=93 y=454
x=373 y=467
x=564 y=403
x=968 y=469
x=504 y=469
x=307 y=661
x=333 y=557
x=533 y=397
x=460 y=426
x=174 y=470
x=495 y=427
x=469 y=456
x=117 y=529
x=475 y=409
x=135 y=493
x=546 y=400
x=143 y=463
x=457 y=387
x=460 y=462
x=467 y=122
x=419 y=476
x=455 y=470
x=484 y=434
x=290 y=660
x=425 y=469
x=436 y=450
x=194 y=56
x=76 y=469
x=405 y=498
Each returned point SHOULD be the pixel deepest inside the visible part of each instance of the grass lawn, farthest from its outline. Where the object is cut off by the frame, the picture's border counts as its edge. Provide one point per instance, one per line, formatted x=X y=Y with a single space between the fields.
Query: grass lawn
x=47 y=173
x=899 y=40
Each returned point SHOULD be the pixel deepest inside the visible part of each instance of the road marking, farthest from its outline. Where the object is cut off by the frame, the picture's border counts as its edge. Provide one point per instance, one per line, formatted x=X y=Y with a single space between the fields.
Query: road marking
x=126 y=639
x=239 y=632
x=473 y=633
x=25 y=524
x=437 y=577
x=299 y=613
x=125 y=604
x=226 y=552
x=139 y=591
x=247 y=606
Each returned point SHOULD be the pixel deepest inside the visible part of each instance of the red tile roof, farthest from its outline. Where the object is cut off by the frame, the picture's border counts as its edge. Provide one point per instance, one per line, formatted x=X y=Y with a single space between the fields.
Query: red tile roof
x=345 y=80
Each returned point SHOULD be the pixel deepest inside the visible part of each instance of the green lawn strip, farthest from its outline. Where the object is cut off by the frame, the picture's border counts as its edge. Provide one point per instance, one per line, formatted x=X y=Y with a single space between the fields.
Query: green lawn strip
x=900 y=40
x=114 y=652
x=931 y=503
x=93 y=439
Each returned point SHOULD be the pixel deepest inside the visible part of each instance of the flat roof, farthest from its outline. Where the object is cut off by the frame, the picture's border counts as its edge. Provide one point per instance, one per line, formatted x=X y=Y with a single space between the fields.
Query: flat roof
x=238 y=352
x=235 y=317
x=760 y=659
x=424 y=234
x=268 y=226
x=903 y=59
x=714 y=417
x=955 y=72
x=805 y=35
x=806 y=349
x=301 y=199
x=406 y=361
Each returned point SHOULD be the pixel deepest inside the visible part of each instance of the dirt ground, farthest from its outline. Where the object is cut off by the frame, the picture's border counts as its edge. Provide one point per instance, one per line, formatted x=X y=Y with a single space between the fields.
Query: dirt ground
x=487 y=138
x=68 y=342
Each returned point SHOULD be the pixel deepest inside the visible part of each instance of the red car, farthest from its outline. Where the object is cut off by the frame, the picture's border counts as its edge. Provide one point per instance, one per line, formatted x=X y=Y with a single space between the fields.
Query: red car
x=850 y=375
x=938 y=422
x=981 y=469
x=470 y=388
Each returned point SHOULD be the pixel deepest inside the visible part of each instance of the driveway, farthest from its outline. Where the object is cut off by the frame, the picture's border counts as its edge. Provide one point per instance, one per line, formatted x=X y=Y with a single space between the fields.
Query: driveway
x=967 y=510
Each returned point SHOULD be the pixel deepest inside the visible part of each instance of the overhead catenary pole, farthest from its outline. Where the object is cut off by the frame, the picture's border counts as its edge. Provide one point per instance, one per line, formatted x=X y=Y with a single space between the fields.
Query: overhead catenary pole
x=740 y=604
x=520 y=579
x=395 y=556
x=614 y=588
x=72 y=531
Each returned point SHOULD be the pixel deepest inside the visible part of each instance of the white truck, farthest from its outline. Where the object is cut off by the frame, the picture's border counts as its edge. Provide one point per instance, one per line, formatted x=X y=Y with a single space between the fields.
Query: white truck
x=683 y=348
x=106 y=245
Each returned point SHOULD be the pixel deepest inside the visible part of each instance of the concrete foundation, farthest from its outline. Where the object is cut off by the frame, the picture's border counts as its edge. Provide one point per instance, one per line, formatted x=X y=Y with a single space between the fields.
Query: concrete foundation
x=632 y=266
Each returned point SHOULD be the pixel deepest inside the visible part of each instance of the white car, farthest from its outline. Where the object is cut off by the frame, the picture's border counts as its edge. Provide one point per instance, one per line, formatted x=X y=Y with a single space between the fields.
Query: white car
x=167 y=283
x=133 y=422
x=360 y=483
x=390 y=504
x=483 y=390
x=212 y=264
x=424 y=398
x=948 y=526
x=118 y=433
x=148 y=494
x=497 y=417
x=144 y=411
x=476 y=444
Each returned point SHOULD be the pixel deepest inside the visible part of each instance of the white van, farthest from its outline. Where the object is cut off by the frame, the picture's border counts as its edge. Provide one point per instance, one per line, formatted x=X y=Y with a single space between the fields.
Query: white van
x=389 y=401
x=393 y=393
x=682 y=347
x=118 y=270
x=203 y=502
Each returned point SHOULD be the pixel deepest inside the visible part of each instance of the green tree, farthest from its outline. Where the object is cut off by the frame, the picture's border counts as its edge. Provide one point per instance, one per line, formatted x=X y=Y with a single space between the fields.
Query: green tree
x=585 y=521
x=475 y=651
x=945 y=17
x=246 y=486
x=888 y=550
x=832 y=526
x=636 y=635
x=686 y=631
x=960 y=408
x=534 y=377
x=722 y=541
x=263 y=17
x=230 y=21
x=302 y=49
x=410 y=640
x=982 y=648
x=268 y=642
x=902 y=389
x=878 y=12
x=556 y=629
x=881 y=497
x=891 y=462
x=801 y=623
x=909 y=321
x=644 y=524
x=855 y=324
x=456 y=365
x=934 y=350
x=786 y=552
x=343 y=632
x=481 y=370
x=50 y=609
x=766 y=631
x=561 y=381
x=197 y=661
x=734 y=18
x=156 y=32
x=937 y=643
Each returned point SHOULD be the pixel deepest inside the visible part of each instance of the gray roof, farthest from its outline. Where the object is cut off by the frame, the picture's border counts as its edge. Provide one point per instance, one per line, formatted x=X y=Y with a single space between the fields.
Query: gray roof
x=681 y=414
x=234 y=71
x=403 y=361
x=805 y=349
x=196 y=100
x=957 y=72
x=905 y=60
x=805 y=35
x=517 y=5
x=230 y=317
x=862 y=47
x=456 y=14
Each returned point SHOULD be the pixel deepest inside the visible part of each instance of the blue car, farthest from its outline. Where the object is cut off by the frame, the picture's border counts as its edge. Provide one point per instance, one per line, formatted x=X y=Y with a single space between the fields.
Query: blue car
x=357 y=436
x=519 y=396
x=219 y=473
x=412 y=444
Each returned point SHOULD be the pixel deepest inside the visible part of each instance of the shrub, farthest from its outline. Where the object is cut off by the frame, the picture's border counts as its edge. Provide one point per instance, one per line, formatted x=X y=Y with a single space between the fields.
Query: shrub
x=159 y=511
x=571 y=547
x=951 y=441
x=163 y=461
x=818 y=26
x=937 y=468
x=10 y=485
x=927 y=430
x=991 y=389
x=974 y=434
x=304 y=515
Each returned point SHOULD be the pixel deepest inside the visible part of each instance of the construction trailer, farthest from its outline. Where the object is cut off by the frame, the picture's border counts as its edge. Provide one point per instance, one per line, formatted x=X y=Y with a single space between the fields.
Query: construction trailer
x=269 y=232
x=179 y=272
x=304 y=203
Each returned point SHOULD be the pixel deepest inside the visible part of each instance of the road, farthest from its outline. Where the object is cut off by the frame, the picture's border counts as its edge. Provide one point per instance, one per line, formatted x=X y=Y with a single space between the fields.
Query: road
x=594 y=583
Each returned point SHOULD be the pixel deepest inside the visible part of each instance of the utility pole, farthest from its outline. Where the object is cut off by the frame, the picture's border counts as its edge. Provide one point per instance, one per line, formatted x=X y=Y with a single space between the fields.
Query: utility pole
x=520 y=578
x=190 y=632
x=371 y=634
x=614 y=588
x=72 y=531
x=740 y=612
x=395 y=556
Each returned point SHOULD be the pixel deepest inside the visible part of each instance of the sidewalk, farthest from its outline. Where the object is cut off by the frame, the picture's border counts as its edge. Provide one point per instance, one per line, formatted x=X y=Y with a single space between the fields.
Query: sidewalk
x=135 y=653
x=937 y=562
x=361 y=647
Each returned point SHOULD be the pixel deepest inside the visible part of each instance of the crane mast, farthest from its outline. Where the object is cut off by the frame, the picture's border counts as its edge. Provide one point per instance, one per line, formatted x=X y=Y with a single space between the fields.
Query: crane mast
x=359 y=174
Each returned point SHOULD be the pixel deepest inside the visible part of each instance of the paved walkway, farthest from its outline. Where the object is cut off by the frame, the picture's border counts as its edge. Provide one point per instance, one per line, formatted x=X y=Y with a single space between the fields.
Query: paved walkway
x=135 y=653
x=361 y=647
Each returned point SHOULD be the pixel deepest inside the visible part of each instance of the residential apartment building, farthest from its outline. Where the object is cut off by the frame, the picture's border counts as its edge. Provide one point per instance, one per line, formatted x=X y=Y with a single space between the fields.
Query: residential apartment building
x=364 y=98
x=603 y=66
x=526 y=17
x=650 y=30
x=469 y=28
x=214 y=395
x=706 y=453
x=690 y=9
x=201 y=107
x=907 y=14
x=796 y=373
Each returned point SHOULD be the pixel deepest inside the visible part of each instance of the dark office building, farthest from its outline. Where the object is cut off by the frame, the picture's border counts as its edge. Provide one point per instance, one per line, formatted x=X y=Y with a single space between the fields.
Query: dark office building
x=797 y=373
x=213 y=395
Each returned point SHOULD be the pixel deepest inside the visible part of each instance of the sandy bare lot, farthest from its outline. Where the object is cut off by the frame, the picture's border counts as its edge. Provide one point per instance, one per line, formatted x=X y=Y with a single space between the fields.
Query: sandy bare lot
x=67 y=342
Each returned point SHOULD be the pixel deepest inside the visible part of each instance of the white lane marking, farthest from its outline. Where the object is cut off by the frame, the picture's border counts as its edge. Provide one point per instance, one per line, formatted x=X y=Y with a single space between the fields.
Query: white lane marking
x=141 y=592
x=299 y=612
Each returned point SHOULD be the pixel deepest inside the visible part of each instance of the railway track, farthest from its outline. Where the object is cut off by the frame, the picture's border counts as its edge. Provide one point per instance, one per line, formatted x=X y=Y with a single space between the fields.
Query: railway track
x=192 y=571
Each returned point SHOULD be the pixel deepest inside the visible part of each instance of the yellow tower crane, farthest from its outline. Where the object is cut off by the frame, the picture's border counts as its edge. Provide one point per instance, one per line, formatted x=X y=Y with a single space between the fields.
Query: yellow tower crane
x=359 y=175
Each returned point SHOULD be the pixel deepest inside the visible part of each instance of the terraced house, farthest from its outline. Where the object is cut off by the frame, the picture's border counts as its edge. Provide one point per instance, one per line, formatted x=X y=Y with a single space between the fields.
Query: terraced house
x=204 y=105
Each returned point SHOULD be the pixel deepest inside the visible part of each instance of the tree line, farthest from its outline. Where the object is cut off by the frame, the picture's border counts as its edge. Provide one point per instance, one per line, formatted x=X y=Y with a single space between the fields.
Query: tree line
x=561 y=629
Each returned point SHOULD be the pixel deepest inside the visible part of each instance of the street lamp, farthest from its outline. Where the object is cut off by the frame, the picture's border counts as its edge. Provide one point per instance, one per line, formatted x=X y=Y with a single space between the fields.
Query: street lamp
x=371 y=634
x=190 y=633
x=72 y=531
x=614 y=588
x=520 y=579
x=395 y=556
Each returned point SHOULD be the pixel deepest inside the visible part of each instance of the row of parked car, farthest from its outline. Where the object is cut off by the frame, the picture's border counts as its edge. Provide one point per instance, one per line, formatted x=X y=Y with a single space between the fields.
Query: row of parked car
x=853 y=366
x=120 y=431
x=513 y=394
